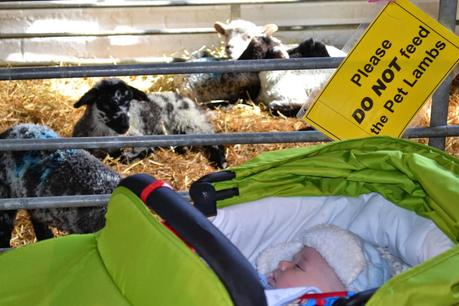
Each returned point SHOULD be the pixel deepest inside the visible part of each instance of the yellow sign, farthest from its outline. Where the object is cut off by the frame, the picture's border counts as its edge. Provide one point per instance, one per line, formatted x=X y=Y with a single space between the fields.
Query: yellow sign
x=398 y=63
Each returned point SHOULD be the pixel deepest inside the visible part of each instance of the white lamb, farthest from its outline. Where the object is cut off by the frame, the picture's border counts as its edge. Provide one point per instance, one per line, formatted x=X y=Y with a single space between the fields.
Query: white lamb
x=281 y=91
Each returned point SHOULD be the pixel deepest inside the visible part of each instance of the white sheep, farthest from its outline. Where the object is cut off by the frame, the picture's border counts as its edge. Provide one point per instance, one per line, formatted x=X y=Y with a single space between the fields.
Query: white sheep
x=52 y=173
x=239 y=33
x=281 y=91
x=115 y=108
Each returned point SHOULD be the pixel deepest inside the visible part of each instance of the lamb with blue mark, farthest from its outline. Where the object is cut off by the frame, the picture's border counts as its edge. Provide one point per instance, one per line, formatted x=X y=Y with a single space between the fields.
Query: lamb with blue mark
x=115 y=108
x=52 y=173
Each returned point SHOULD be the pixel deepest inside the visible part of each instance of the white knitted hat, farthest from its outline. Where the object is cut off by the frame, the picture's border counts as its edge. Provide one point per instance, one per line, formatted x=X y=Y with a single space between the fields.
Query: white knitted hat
x=343 y=251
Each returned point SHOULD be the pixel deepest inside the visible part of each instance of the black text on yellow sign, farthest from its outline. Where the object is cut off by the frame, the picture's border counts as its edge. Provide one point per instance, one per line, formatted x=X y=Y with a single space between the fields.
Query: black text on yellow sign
x=398 y=63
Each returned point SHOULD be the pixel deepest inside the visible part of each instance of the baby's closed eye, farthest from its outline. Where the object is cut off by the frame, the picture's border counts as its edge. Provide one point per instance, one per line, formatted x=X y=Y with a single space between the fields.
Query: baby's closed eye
x=297 y=266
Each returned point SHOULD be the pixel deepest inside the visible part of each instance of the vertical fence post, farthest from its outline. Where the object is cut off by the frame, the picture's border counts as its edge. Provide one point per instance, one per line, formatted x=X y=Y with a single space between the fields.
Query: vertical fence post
x=235 y=11
x=439 y=113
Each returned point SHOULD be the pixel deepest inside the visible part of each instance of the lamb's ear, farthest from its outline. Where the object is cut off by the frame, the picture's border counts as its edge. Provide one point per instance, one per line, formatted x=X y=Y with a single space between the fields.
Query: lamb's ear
x=87 y=98
x=269 y=29
x=138 y=94
x=220 y=27
x=279 y=52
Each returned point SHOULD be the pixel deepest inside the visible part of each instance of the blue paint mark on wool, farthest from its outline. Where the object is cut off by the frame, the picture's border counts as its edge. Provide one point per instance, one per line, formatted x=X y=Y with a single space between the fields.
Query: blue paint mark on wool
x=46 y=134
x=38 y=132
x=38 y=162
x=42 y=161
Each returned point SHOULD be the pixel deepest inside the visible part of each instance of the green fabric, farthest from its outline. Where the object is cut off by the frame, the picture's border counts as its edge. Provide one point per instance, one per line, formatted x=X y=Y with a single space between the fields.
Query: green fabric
x=133 y=261
x=414 y=176
x=433 y=283
x=65 y=271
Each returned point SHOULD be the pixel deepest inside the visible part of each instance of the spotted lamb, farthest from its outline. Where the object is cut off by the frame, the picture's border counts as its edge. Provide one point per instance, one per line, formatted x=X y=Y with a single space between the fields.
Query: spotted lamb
x=52 y=173
x=281 y=91
x=211 y=89
x=116 y=108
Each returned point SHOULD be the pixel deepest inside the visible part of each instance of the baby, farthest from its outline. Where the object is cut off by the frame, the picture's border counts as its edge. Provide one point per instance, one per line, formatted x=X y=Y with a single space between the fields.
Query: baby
x=306 y=268
x=327 y=259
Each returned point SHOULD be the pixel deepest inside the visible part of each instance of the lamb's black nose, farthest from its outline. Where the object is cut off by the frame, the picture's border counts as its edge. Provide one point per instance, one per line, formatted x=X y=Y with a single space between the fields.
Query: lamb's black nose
x=120 y=124
x=229 y=50
x=217 y=156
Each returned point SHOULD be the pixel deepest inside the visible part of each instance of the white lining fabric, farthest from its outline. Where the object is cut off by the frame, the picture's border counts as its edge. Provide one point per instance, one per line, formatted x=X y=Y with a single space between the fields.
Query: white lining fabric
x=256 y=225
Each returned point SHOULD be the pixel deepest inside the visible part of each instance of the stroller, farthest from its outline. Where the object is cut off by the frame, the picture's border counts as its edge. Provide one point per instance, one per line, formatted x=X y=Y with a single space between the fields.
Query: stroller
x=178 y=257
x=422 y=180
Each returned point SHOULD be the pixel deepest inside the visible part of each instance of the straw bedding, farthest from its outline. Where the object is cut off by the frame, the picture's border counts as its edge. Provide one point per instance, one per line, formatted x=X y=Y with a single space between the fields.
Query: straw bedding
x=51 y=102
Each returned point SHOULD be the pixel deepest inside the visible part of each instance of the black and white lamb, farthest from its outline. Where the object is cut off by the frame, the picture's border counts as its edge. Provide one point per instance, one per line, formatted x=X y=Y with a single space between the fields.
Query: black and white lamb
x=116 y=108
x=211 y=89
x=281 y=91
x=52 y=173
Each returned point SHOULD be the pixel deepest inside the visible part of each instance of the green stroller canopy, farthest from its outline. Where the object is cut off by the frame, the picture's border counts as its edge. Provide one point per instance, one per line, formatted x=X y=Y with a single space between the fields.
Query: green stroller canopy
x=413 y=176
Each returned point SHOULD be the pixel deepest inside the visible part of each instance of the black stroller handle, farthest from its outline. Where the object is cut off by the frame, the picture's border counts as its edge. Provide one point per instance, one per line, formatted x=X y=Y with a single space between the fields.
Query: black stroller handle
x=233 y=269
x=204 y=195
x=358 y=299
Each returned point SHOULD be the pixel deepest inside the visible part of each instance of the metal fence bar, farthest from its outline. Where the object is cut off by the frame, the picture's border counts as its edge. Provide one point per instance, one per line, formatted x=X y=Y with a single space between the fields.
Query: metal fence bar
x=196 y=140
x=102 y=199
x=440 y=99
x=62 y=201
x=29 y=73
x=107 y=33
x=33 y=4
x=439 y=111
x=432 y=132
x=176 y=31
x=54 y=202
x=160 y=140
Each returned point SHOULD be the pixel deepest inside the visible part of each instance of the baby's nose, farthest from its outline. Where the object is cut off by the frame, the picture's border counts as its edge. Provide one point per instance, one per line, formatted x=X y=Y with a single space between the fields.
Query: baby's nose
x=284 y=265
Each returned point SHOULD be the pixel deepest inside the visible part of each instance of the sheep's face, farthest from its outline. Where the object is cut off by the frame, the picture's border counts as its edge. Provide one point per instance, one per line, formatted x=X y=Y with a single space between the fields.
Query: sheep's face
x=113 y=108
x=264 y=47
x=110 y=99
x=239 y=33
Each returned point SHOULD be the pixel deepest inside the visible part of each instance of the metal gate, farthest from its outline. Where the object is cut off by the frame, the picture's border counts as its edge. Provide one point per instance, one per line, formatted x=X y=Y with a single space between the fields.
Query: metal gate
x=436 y=133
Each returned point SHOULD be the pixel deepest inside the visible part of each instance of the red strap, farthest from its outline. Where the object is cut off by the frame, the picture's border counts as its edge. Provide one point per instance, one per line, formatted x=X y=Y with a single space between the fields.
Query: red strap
x=144 y=195
x=150 y=188
x=320 y=297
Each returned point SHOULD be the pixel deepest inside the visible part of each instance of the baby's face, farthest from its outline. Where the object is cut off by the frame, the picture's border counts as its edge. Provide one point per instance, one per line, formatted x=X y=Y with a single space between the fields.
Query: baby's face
x=307 y=269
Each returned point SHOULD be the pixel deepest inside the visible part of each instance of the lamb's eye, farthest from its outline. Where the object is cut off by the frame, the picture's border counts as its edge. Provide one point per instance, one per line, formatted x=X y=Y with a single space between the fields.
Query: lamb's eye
x=246 y=36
